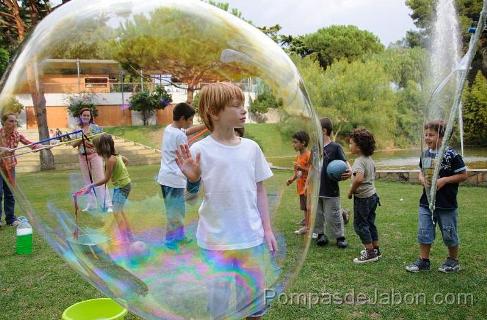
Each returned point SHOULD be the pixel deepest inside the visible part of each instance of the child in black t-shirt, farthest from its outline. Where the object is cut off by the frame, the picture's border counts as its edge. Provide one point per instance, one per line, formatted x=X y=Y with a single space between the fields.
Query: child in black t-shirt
x=452 y=172
x=328 y=212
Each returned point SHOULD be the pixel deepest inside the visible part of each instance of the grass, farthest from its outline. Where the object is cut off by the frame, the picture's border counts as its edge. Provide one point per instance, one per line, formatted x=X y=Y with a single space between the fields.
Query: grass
x=148 y=135
x=277 y=147
x=42 y=285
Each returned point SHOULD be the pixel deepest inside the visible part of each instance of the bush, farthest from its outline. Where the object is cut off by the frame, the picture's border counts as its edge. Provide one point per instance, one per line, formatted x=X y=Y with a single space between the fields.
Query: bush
x=11 y=105
x=148 y=102
x=76 y=103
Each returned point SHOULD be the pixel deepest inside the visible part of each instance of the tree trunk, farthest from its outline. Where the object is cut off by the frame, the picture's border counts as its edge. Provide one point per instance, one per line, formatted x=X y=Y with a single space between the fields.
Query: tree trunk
x=190 y=94
x=37 y=92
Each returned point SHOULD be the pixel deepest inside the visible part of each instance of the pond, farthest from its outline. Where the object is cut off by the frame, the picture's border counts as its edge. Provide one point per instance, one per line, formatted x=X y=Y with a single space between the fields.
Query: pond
x=475 y=158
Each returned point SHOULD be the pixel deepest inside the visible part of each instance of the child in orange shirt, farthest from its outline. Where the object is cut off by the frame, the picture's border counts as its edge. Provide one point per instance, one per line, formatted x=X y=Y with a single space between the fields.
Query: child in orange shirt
x=301 y=168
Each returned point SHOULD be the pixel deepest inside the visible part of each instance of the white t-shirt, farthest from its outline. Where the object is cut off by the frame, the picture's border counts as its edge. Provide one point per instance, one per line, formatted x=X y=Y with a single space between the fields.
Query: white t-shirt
x=169 y=174
x=229 y=218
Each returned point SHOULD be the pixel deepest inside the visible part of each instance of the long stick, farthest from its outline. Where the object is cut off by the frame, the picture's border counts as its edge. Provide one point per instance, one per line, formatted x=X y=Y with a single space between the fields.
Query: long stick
x=197 y=135
x=47 y=139
x=48 y=147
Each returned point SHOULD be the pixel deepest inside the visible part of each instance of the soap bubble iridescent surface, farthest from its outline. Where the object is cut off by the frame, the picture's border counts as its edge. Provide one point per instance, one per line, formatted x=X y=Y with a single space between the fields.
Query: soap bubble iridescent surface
x=110 y=49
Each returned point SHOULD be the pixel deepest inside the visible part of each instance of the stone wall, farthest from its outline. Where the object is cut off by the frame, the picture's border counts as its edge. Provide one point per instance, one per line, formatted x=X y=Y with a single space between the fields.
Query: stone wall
x=476 y=177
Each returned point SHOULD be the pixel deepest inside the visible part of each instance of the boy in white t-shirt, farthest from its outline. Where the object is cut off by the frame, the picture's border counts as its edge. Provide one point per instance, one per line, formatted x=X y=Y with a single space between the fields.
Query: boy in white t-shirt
x=234 y=225
x=171 y=179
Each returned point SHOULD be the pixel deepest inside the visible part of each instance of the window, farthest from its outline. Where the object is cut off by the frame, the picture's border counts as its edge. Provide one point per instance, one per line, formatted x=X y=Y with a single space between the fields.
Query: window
x=98 y=82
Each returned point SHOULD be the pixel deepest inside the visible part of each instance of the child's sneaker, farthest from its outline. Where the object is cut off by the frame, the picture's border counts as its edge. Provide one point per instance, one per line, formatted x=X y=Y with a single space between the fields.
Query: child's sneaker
x=450 y=265
x=342 y=243
x=377 y=252
x=302 y=230
x=322 y=240
x=368 y=256
x=419 y=265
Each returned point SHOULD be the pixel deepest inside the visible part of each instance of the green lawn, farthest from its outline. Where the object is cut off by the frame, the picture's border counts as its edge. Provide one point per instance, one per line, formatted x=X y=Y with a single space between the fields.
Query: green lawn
x=277 y=148
x=42 y=285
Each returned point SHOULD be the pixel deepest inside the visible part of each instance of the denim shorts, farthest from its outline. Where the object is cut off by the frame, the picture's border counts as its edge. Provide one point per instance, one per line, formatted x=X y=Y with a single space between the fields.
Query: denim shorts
x=446 y=219
x=120 y=196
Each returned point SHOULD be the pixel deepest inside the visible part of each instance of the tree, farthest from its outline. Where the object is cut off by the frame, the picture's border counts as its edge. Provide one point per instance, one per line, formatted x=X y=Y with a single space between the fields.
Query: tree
x=475 y=112
x=4 y=58
x=264 y=101
x=189 y=49
x=148 y=102
x=16 y=19
x=272 y=32
x=76 y=103
x=11 y=105
x=225 y=6
x=468 y=11
x=341 y=42
x=88 y=39
x=353 y=95
x=404 y=65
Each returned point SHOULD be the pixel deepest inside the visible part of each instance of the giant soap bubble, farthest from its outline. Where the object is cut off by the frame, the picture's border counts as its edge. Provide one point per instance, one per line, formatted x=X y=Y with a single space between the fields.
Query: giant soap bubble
x=108 y=50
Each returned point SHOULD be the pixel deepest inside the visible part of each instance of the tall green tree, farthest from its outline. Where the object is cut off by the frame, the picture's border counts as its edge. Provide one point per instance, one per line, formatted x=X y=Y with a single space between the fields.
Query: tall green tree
x=88 y=39
x=355 y=94
x=475 y=112
x=341 y=42
x=4 y=59
x=468 y=11
x=190 y=49
x=404 y=64
x=359 y=94
x=264 y=101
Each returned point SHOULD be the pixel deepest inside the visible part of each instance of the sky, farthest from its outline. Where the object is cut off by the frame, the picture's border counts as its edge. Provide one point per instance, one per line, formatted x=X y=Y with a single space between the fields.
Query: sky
x=387 y=19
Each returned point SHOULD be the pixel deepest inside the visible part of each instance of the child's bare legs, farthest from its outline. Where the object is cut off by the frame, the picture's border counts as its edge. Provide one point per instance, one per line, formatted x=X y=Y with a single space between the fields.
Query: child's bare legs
x=453 y=252
x=307 y=218
x=304 y=207
x=123 y=226
x=120 y=196
x=424 y=250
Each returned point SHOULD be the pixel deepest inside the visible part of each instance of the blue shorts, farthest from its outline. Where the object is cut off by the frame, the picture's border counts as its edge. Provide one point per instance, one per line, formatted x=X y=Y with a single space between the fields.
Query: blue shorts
x=120 y=196
x=446 y=219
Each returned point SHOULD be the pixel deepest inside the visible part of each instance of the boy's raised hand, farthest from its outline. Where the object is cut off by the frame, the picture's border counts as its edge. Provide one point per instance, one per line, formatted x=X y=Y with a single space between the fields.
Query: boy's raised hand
x=189 y=167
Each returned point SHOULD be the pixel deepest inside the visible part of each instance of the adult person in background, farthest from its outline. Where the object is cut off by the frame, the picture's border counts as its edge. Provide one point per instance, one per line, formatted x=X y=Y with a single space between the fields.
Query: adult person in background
x=9 y=140
x=91 y=164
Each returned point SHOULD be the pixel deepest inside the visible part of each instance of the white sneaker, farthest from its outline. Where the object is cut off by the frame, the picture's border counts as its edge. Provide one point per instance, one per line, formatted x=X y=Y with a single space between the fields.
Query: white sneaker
x=301 y=230
x=110 y=210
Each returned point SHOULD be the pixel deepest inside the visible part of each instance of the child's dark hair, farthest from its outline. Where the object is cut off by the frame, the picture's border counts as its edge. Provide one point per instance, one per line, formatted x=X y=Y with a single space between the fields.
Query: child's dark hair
x=182 y=110
x=364 y=140
x=105 y=146
x=302 y=137
x=326 y=124
x=436 y=125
